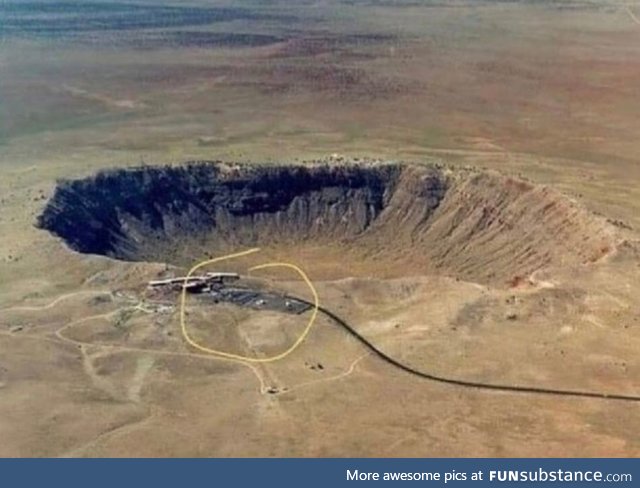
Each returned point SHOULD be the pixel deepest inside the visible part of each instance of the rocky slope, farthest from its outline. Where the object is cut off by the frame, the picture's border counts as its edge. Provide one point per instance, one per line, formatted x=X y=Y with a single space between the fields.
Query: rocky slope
x=477 y=226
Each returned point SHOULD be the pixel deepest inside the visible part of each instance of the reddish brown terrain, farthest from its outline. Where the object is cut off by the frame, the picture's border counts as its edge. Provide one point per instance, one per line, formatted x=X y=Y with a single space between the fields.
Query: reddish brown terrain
x=459 y=181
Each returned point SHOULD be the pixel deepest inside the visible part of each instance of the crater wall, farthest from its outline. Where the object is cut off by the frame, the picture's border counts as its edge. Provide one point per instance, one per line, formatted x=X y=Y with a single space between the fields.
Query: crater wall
x=474 y=225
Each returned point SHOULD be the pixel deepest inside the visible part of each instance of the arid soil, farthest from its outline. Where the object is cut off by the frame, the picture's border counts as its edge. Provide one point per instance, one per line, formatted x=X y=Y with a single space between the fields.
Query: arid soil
x=537 y=315
x=505 y=250
x=482 y=227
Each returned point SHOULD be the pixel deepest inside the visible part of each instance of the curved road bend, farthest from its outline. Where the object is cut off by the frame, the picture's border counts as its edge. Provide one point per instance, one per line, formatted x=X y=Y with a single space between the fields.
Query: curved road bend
x=467 y=384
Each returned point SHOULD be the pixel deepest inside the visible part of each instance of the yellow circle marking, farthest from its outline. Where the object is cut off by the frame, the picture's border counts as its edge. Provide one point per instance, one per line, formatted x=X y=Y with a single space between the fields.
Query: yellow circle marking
x=239 y=357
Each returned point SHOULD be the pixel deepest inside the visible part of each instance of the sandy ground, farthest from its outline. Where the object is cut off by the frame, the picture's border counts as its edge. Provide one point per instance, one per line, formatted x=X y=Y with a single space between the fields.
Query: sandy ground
x=89 y=367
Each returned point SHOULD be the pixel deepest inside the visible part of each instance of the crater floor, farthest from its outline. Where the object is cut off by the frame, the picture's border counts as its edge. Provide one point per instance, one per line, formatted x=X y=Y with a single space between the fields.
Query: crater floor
x=463 y=274
x=399 y=218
